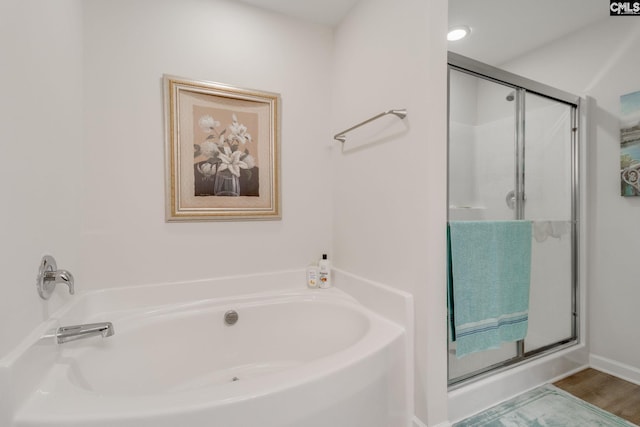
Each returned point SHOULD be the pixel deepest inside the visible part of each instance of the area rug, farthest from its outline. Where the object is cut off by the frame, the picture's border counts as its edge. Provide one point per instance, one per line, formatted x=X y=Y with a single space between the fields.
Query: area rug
x=546 y=406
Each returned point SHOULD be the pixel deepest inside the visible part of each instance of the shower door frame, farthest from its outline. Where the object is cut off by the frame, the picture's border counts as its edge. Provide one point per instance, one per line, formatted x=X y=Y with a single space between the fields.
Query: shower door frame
x=522 y=86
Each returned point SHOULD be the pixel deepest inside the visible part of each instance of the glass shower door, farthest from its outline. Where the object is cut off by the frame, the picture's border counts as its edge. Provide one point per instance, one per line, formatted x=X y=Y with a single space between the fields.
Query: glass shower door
x=512 y=156
x=549 y=203
x=482 y=171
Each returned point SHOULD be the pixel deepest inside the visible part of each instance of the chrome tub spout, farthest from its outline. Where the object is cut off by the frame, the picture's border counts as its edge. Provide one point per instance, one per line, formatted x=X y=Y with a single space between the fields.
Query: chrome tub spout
x=71 y=333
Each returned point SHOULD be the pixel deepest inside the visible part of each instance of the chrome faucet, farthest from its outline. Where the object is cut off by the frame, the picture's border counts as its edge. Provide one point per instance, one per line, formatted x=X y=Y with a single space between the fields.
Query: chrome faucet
x=49 y=276
x=71 y=333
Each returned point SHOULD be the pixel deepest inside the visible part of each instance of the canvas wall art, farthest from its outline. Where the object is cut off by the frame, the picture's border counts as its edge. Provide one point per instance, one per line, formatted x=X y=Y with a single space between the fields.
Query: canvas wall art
x=630 y=144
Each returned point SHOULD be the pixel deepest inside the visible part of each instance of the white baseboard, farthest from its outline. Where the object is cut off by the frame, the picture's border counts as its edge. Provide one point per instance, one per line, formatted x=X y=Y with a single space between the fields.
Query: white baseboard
x=620 y=370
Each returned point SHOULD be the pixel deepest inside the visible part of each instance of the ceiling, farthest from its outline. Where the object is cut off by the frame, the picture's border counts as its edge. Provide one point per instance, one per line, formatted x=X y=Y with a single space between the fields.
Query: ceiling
x=505 y=29
x=500 y=29
x=327 y=12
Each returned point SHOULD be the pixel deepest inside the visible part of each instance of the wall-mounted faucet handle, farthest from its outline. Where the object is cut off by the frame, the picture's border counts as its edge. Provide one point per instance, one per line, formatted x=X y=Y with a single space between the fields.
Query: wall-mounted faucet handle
x=60 y=276
x=49 y=276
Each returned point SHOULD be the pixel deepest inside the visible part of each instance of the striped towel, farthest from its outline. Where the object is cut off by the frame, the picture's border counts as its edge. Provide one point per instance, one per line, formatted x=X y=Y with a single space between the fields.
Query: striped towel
x=489 y=278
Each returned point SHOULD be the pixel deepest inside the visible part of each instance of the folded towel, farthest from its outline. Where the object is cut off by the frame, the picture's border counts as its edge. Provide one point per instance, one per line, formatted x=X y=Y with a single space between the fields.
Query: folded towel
x=489 y=275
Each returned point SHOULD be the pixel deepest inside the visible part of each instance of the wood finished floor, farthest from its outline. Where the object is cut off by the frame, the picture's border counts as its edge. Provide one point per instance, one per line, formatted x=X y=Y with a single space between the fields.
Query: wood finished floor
x=610 y=393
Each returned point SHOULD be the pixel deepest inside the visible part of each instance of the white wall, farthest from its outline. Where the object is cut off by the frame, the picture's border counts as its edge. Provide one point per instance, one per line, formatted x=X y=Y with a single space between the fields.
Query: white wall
x=40 y=152
x=389 y=184
x=602 y=61
x=129 y=45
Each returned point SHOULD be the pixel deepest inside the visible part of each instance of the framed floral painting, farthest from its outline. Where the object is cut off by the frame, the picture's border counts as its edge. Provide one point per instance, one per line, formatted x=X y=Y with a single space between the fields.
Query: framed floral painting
x=222 y=159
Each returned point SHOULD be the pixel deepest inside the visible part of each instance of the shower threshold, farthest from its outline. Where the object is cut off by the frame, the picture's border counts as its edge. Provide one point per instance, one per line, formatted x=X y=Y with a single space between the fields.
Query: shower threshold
x=464 y=380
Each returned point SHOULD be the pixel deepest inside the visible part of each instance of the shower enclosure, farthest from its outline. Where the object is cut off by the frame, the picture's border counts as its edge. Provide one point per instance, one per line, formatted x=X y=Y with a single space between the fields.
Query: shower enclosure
x=513 y=155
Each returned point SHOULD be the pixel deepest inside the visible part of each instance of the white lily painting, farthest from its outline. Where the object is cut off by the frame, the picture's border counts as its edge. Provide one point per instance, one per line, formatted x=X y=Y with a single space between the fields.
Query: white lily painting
x=224 y=161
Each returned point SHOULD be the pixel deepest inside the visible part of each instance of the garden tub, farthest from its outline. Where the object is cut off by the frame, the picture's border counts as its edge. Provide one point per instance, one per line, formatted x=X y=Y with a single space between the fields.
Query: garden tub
x=292 y=357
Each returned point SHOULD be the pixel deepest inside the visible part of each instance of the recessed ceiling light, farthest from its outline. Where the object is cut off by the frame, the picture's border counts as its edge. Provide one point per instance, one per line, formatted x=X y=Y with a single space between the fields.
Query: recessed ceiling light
x=458 y=33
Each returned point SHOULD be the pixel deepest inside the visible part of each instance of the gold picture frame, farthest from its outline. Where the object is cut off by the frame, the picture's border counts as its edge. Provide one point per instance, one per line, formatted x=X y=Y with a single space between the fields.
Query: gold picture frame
x=222 y=152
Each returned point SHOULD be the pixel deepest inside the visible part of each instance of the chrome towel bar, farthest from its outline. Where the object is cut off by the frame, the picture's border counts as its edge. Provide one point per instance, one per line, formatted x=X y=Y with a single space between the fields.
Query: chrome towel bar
x=341 y=136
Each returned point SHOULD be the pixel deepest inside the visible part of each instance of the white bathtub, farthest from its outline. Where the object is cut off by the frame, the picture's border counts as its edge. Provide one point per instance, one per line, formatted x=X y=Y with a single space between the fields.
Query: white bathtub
x=295 y=357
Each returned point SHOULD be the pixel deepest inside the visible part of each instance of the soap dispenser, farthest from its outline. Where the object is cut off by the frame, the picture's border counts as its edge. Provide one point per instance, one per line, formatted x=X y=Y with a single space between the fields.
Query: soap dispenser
x=312 y=276
x=324 y=272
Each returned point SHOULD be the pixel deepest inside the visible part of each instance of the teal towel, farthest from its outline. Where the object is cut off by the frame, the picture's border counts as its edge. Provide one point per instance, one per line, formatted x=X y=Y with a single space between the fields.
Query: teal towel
x=489 y=275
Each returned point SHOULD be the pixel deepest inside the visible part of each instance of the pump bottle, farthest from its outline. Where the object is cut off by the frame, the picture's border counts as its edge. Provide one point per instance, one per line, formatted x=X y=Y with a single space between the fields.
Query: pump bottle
x=324 y=272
